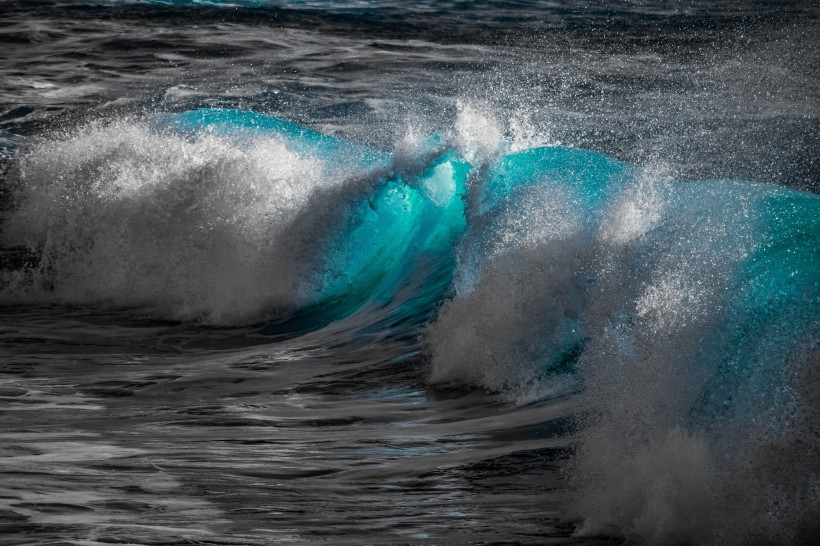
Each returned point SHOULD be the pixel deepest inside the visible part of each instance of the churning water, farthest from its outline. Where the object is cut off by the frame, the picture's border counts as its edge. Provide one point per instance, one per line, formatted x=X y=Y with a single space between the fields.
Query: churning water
x=449 y=272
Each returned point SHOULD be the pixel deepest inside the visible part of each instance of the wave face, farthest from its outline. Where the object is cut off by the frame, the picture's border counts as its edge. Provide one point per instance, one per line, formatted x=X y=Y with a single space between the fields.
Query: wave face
x=227 y=217
x=685 y=314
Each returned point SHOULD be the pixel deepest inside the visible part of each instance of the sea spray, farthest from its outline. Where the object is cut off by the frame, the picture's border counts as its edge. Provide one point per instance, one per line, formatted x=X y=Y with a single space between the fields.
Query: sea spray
x=673 y=321
x=123 y=216
x=231 y=217
x=684 y=312
x=687 y=313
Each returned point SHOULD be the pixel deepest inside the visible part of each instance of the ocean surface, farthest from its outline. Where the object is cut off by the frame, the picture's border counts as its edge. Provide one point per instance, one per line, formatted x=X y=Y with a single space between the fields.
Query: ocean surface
x=382 y=272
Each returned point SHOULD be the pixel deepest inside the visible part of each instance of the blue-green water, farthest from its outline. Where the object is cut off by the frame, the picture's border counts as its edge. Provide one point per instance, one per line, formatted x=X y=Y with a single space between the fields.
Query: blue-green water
x=364 y=272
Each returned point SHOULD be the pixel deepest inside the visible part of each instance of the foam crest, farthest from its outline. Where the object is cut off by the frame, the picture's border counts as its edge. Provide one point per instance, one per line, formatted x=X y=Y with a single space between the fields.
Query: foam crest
x=190 y=227
x=481 y=136
x=523 y=276
x=635 y=213
x=525 y=134
x=515 y=311
x=478 y=134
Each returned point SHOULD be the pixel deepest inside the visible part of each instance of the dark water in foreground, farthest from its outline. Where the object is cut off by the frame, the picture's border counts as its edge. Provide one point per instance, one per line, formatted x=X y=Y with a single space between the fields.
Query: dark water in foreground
x=459 y=272
x=289 y=442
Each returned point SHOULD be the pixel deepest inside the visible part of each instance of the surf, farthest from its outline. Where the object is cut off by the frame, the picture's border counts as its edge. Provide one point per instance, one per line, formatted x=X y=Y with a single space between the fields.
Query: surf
x=682 y=313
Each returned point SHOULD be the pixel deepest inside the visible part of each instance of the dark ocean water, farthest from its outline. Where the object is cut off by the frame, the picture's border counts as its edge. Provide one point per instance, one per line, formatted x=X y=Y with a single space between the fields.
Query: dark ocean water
x=371 y=272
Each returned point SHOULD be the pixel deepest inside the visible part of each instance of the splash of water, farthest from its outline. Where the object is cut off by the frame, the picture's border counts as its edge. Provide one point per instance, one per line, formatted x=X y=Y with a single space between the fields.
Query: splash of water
x=684 y=313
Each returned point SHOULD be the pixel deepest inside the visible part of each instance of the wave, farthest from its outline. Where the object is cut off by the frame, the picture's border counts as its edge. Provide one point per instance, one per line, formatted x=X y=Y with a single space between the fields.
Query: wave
x=228 y=217
x=684 y=314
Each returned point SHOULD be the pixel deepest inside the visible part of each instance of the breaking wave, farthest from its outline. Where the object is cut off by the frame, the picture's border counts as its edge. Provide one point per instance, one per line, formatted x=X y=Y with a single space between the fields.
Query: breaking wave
x=684 y=314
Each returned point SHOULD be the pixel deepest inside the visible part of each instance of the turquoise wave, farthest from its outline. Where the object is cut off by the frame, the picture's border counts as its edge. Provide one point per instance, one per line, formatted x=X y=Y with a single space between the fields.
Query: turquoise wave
x=398 y=240
x=684 y=314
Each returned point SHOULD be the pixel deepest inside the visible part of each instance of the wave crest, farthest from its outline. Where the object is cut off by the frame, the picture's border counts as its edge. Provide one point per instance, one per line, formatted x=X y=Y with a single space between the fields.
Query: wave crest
x=193 y=228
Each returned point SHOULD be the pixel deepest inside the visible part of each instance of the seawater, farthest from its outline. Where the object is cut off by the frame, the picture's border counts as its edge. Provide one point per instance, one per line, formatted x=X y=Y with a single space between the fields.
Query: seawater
x=362 y=272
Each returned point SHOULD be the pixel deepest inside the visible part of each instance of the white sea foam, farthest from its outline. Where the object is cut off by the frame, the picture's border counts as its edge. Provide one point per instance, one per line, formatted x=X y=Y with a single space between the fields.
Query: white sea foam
x=519 y=296
x=693 y=437
x=193 y=228
x=698 y=431
x=478 y=134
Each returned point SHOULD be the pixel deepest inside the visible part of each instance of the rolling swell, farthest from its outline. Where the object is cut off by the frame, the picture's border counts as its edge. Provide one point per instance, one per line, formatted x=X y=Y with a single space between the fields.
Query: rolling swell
x=683 y=313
